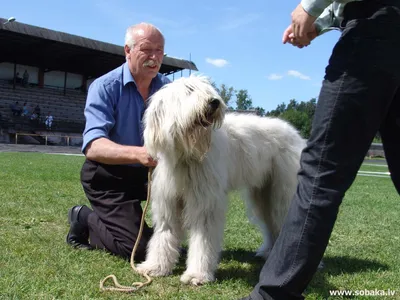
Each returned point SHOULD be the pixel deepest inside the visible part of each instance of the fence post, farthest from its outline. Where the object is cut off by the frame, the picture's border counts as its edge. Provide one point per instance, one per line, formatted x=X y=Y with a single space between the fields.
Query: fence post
x=68 y=141
x=46 y=140
x=16 y=138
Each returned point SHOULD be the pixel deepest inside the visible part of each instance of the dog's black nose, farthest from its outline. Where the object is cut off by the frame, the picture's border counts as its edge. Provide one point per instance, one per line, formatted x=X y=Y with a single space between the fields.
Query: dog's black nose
x=214 y=104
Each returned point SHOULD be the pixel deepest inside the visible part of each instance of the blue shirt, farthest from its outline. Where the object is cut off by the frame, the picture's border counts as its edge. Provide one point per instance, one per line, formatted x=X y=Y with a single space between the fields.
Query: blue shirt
x=114 y=108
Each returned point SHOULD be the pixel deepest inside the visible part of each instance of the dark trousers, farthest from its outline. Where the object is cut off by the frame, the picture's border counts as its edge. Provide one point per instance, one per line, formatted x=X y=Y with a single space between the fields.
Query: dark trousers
x=115 y=193
x=359 y=97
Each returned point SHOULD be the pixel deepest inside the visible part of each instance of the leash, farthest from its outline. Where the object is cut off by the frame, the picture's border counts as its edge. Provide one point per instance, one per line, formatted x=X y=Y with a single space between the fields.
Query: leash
x=135 y=285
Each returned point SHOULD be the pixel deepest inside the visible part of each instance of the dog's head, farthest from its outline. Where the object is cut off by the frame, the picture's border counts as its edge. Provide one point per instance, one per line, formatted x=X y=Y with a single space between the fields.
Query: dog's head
x=180 y=117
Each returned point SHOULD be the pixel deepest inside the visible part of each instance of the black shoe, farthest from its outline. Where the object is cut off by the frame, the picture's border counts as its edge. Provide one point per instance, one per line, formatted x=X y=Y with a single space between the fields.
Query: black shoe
x=78 y=235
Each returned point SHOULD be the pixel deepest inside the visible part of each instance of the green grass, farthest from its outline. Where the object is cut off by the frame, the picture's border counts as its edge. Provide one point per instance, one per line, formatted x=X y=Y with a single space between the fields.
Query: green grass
x=35 y=262
x=374 y=168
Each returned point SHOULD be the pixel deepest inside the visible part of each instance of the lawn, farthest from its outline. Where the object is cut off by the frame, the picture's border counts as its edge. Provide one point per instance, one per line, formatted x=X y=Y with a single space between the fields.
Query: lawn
x=35 y=262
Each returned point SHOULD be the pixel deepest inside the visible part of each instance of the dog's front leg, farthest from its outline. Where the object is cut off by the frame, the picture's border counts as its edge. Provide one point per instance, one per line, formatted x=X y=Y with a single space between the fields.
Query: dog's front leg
x=205 y=219
x=162 y=251
x=163 y=247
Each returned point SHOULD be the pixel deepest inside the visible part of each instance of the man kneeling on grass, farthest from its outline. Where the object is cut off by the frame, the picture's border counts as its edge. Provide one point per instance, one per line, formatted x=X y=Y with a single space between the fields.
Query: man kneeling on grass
x=114 y=174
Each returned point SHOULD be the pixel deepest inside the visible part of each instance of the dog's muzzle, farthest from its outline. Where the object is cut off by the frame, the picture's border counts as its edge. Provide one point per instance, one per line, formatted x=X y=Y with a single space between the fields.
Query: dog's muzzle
x=213 y=105
x=208 y=118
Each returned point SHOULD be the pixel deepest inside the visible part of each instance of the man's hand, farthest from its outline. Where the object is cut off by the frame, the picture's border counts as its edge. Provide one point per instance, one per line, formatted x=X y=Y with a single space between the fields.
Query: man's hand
x=145 y=159
x=288 y=37
x=302 y=25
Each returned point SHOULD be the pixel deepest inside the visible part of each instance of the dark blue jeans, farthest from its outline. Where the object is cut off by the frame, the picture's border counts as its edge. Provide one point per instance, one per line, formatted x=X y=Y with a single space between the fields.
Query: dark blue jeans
x=359 y=97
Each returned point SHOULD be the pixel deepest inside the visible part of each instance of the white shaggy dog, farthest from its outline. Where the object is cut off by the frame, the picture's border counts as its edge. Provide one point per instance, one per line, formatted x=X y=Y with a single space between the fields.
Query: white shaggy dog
x=202 y=155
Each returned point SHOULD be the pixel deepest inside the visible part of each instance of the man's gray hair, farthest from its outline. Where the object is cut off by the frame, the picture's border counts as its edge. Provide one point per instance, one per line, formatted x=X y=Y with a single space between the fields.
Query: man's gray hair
x=129 y=35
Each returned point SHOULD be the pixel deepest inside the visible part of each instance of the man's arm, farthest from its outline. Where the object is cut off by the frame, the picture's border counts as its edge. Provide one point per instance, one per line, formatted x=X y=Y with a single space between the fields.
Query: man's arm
x=315 y=7
x=106 y=151
x=330 y=18
x=310 y=19
x=326 y=12
x=97 y=146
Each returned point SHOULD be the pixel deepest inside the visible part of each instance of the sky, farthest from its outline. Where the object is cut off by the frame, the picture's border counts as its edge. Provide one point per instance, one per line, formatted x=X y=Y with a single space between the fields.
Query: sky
x=238 y=44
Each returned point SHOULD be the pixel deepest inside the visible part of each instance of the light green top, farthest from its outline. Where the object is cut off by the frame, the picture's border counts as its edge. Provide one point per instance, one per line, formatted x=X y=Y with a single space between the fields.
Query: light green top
x=329 y=13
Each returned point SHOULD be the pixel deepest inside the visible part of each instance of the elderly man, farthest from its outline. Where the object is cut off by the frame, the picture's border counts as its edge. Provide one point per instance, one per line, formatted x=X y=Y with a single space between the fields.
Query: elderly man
x=114 y=174
x=360 y=96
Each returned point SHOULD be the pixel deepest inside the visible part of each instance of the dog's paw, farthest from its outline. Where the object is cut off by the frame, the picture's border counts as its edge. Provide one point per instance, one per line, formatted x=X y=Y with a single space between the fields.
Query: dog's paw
x=196 y=278
x=153 y=270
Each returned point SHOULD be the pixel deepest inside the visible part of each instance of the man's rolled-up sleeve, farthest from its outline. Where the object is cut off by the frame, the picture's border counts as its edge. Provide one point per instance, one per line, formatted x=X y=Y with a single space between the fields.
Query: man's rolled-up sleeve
x=99 y=113
x=315 y=7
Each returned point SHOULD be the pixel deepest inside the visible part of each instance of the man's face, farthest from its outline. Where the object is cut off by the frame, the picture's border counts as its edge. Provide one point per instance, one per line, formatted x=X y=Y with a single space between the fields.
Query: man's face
x=146 y=56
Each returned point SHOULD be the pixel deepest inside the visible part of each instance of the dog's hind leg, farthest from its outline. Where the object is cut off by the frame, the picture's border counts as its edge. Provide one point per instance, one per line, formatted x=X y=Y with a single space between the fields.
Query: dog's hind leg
x=258 y=201
x=270 y=203
x=206 y=226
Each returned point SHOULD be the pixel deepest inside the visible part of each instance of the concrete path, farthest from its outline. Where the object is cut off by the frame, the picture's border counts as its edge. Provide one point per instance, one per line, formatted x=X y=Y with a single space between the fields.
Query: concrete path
x=40 y=148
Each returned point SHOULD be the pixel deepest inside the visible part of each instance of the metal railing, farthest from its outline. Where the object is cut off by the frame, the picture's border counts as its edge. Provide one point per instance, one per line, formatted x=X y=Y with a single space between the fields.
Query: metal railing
x=45 y=136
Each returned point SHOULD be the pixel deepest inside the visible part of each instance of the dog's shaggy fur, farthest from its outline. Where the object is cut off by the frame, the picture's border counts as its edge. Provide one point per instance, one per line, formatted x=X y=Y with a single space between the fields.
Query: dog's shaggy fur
x=202 y=155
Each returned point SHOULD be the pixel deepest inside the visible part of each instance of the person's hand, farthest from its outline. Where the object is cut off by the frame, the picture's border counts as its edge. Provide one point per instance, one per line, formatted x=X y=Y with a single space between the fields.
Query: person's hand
x=288 y=36
x=145 y=159
x=302 y=25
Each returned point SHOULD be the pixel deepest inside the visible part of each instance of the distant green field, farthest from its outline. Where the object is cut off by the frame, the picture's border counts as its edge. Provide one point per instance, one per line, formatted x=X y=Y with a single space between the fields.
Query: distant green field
x=35 y=262
x=374 y=168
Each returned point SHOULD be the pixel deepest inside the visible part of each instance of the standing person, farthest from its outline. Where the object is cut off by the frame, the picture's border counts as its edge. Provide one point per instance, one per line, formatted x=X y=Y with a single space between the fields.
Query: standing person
x=359 y=97
x=49 y=121
x=25 y=78
x=114 y=174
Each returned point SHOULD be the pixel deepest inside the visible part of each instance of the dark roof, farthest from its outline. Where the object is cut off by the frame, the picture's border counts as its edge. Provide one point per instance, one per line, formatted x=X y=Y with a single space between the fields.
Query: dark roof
x=36 y=46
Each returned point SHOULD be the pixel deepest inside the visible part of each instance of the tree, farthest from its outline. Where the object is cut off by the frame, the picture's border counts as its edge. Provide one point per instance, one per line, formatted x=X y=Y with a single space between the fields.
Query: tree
x=276 y=112
x=260 y=111
x=300 y=115
x=243 y=100
x=292 y=104
x=224 y=91
x=310 y=108
x=299 y=120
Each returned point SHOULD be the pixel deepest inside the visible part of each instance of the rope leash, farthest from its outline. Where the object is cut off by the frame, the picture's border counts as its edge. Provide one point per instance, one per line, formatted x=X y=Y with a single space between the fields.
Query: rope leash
x=135 y=285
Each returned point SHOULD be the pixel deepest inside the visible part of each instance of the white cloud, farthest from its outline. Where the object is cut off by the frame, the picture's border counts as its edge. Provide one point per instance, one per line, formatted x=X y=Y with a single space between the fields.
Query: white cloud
x=298 y=75
x=274 y=77
x=217 y=62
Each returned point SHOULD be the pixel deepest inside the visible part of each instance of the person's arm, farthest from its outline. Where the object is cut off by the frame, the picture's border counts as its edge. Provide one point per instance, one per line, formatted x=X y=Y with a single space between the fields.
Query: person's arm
x=326 y=21
x=315 y=7
x=328 y=14
x=106 y=151
x=97 y=146
x=329 y=19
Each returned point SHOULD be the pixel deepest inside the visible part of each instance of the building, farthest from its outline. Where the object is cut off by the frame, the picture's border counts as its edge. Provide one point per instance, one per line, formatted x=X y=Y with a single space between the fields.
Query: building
x=60 y=66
